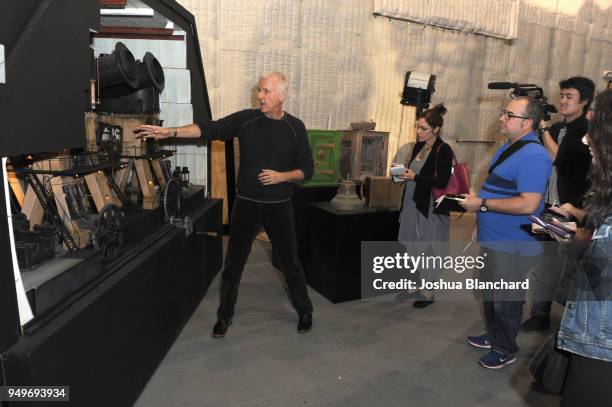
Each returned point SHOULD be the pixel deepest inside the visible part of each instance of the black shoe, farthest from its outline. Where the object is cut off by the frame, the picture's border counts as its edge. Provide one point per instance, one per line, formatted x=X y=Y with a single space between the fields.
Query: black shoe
x=220 y=328
x=304 y=324
x=422 y=303
x=534 y=324
x=425 y=299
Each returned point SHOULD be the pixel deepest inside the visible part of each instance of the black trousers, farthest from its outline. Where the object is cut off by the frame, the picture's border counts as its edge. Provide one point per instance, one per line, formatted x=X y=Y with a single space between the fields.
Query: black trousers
x=587 y=383
x=278 y=221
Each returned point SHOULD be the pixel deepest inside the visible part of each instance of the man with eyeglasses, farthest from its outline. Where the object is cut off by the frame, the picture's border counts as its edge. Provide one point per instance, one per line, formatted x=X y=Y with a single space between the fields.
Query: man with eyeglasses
x=568 y=184
x=518 y=175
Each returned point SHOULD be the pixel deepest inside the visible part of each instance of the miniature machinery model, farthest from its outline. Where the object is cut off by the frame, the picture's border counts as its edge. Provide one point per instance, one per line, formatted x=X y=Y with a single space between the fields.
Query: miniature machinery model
x=84 y=196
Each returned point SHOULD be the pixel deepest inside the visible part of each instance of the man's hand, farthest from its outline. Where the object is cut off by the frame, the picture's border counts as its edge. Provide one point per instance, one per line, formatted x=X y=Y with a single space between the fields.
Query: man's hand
x=156 y=132
x=271 y=177
x=471 y=204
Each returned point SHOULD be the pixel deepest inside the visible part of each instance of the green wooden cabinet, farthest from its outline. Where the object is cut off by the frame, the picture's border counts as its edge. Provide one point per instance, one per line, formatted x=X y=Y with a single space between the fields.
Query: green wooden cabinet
x=325 y=147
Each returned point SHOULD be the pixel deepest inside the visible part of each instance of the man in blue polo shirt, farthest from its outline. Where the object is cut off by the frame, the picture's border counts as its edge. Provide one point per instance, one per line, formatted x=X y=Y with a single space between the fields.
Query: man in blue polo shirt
x=518 y=176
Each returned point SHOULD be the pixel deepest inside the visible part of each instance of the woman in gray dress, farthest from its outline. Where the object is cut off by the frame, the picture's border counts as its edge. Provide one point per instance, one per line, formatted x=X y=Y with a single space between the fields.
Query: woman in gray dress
x=430 y=166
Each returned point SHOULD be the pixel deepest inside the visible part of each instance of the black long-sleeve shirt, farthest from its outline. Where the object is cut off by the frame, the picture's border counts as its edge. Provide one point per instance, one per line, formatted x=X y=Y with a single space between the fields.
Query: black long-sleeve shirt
x=265 y=143
x=573 y=161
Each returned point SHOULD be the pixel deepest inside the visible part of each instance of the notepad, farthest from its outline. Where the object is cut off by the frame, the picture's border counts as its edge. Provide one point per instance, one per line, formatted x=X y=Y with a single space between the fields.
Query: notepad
x=450 y=203
x=396 y=171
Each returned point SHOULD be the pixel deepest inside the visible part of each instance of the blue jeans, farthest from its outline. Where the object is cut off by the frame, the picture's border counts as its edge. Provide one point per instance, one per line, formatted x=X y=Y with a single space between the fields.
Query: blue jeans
x=503 y=309
x=278 y=221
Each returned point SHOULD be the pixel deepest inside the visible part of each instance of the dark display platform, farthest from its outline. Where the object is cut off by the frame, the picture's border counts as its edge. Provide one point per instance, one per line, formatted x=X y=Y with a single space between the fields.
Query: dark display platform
x=332 y=263
x=302 y=196
x=57 y=279
x=106 y=341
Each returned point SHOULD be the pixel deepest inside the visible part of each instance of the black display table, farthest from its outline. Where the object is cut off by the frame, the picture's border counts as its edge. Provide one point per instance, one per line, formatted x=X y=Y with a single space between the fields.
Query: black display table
x=106 y=341
x=302 y=196
x=332 y=264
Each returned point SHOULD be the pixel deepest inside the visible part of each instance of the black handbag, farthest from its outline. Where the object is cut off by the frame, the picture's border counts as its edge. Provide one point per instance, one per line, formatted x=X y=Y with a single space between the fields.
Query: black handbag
x=549 y=367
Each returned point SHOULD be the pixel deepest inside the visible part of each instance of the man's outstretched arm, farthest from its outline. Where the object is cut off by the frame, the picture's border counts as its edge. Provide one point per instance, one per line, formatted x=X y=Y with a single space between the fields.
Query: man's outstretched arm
x=160 y=133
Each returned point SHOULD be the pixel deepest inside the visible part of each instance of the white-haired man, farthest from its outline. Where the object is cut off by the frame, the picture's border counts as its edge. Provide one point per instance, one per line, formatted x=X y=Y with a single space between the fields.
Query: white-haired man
x=274 y=154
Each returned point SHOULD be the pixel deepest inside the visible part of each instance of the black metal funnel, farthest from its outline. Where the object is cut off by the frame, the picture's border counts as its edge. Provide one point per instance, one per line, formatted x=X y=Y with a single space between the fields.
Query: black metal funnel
x=118 y=68
x=151 y=73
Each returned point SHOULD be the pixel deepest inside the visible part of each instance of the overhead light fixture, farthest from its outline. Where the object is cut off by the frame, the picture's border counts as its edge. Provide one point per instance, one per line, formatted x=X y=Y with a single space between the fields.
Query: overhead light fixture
x=127 y=12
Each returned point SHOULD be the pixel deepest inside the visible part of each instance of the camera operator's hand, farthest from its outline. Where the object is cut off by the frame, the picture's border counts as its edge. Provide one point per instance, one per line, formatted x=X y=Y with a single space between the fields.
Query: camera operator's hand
x=544 y=132
x=547 y=139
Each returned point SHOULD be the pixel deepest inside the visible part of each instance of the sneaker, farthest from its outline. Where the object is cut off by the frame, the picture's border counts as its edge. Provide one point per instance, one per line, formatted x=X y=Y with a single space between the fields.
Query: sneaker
x=496 y=360
x=481 y=341
x=220 y=328
x=536 y=324
x=304 y=323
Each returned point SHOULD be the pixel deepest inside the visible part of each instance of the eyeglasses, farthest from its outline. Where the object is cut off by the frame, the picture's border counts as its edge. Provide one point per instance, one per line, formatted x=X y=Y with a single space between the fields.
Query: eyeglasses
x=510 y=115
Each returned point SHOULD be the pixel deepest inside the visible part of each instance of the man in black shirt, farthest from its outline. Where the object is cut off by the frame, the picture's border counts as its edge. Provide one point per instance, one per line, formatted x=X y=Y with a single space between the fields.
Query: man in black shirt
x=274 y=154
x=563 y=141
x=568 y=184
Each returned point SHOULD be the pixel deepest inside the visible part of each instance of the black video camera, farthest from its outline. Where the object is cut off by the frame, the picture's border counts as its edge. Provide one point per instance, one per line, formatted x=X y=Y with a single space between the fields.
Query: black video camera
x=527 y=89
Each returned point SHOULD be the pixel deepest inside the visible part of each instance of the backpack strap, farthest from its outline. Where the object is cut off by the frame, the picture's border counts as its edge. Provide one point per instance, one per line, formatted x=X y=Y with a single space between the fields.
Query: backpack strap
x=511 y=150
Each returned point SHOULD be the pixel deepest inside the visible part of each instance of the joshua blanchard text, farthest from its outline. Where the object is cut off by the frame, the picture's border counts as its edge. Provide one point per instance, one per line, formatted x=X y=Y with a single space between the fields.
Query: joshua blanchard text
x=468 y=284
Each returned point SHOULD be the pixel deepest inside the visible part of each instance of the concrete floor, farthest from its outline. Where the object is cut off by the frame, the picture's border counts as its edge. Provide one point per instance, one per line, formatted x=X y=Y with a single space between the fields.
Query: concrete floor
x=359 y=353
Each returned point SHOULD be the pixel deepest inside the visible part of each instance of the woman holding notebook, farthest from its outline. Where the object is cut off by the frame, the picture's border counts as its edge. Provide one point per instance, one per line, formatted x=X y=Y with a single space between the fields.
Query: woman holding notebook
x=429 y=167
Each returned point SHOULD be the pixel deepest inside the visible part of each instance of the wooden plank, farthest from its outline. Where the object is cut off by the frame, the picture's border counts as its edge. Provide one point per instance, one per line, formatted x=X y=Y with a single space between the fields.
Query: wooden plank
x=121 y=177
x=90 y=132
x=142 y=37
x=219 y=175
x=159 y=173
x=16 y=186
x=136 y=31
x=113 y=3
x=32 y=208
x=101 y=191
x=150 y=197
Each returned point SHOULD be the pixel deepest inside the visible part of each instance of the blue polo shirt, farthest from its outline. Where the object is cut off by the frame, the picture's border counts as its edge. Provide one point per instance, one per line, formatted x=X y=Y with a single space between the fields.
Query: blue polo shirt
x=527 y=170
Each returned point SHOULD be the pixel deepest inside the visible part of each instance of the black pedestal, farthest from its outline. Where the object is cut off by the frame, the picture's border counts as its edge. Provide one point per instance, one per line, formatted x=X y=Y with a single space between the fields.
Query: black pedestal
x=332 y=265
x=301 y=198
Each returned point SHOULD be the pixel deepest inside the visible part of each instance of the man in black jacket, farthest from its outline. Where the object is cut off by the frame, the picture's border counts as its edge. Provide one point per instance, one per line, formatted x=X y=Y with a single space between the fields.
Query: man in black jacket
x=274 y=154
x=568 y=184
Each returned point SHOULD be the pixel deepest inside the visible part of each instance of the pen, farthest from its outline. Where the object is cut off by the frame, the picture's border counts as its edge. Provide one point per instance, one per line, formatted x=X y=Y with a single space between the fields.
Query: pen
x=468 y=246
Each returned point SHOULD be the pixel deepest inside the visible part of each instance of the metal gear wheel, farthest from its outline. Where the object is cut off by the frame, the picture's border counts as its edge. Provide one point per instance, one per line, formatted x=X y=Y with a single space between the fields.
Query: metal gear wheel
x=108 y=234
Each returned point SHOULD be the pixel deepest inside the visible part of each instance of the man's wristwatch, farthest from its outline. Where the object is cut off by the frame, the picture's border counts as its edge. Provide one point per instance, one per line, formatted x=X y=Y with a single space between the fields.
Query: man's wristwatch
x=174 y=132
x=542 y=130
x=483 y=206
